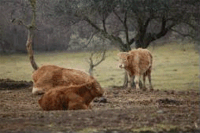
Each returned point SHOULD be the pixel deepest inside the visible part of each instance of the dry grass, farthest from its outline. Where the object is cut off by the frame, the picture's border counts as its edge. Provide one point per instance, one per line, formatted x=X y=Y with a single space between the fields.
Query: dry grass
x=173 y=67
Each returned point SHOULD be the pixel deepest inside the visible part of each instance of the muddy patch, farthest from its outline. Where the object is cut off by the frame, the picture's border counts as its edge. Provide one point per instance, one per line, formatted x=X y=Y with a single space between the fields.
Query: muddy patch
x=119 y=111
x=10 y=84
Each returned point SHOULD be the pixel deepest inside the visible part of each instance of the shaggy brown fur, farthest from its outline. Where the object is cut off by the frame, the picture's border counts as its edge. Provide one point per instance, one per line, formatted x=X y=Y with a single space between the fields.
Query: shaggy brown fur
x=137 y=62
x=51 y=76
x=71 y=98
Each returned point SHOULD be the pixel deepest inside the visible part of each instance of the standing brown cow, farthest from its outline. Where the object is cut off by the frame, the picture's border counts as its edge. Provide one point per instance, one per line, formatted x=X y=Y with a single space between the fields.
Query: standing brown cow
x=51 y=76
x=71 y=98
x=136 y=63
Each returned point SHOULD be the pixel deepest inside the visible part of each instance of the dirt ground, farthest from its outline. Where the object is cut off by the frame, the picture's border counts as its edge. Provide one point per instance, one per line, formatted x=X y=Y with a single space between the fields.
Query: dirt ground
x=125 y=111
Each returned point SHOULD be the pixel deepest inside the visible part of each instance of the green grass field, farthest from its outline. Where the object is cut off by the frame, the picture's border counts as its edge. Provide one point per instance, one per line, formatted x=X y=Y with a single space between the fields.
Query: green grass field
x=173 y=67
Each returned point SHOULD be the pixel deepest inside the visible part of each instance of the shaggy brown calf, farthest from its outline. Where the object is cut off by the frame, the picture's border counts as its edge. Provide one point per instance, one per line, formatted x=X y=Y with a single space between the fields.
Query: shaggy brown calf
x=137 y=62
x=71 y=98
x=51 y=76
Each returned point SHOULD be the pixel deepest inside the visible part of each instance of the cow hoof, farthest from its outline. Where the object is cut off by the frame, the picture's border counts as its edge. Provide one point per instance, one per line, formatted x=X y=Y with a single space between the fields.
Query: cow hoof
x=129 y=88
x=151 y=89
x=103 y=100
x=144 y=88
x=137 y=88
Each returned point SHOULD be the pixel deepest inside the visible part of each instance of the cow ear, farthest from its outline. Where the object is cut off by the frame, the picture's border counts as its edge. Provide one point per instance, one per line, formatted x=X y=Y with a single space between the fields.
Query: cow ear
x=119 y=54
x=128 y=57
x=122 y=54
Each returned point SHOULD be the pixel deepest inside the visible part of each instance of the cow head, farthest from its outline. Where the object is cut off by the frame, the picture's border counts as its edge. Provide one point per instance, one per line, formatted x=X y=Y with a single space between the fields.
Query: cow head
x=95 y=89
x=123 y=59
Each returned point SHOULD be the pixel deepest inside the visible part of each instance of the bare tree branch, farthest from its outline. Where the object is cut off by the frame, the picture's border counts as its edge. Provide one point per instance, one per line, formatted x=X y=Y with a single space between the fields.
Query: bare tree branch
x=19 y=22
x=95 y=62
x=117 y=41
x=104 y=25
x=182 y=34
x=118 y=17
x=102 y=58
x=91 y=37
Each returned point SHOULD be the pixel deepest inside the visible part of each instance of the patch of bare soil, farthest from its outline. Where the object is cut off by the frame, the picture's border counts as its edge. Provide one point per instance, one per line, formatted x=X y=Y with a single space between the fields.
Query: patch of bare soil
x=122 y=111
x=12 y=84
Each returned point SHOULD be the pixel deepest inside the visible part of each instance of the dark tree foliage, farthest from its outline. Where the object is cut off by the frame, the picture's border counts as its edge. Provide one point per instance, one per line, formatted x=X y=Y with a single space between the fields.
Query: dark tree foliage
x=139 y=21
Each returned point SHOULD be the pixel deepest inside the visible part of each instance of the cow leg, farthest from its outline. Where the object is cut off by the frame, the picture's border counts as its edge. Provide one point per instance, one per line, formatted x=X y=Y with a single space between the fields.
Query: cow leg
x=37 y=91
x=137 y=81
x=144 y=78
x=76 y=102
x=149 y=77
x=77 y=105
x=130 y=79
x=89 y=106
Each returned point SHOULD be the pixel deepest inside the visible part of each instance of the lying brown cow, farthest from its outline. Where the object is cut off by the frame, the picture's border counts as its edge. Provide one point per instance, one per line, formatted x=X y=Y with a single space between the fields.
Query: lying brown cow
x=71 y=98
x=137 y=62
x=51 y=76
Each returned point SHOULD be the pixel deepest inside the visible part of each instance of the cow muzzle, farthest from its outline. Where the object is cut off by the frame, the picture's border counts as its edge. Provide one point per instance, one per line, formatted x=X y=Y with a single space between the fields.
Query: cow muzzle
x=121 y=65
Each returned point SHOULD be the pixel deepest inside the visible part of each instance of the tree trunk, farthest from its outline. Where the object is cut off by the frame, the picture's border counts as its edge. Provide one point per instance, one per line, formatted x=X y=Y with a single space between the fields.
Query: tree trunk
x=138 y=44
x=91 y=70
x=29 y=48
x=141 y=44
x=31 y=29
